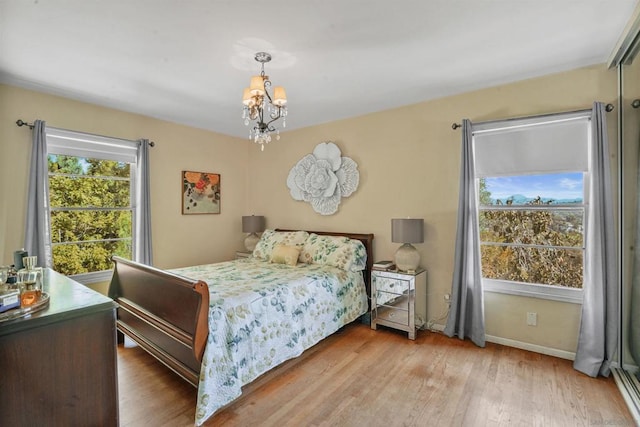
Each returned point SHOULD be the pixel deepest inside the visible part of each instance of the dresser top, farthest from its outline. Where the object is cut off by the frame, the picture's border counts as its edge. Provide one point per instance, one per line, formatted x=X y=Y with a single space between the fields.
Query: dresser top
x=67 y=299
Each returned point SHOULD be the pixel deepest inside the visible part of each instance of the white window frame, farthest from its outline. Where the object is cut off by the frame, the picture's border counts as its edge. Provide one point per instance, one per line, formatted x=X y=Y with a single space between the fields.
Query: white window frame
x=539 y=290
x=79 y=144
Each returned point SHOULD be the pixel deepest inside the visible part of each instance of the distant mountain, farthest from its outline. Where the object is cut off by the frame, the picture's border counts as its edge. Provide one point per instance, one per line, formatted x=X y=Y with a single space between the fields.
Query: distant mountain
x=519 y=199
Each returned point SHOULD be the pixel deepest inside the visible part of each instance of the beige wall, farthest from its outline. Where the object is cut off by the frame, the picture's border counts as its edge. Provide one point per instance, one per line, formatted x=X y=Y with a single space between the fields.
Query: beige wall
x=408 y=160
x=178 y=239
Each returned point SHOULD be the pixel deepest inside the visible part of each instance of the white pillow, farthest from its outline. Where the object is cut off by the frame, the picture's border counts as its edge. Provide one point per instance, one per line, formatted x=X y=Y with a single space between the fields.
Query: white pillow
x=337 y=251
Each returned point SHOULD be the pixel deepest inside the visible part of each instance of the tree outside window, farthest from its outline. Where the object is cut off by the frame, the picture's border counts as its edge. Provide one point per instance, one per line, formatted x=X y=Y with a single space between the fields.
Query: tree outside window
x=91 y=213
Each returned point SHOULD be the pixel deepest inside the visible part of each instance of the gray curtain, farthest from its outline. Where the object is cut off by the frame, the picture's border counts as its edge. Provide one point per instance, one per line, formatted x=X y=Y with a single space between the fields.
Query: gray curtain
x=143 y=249
x=599 y=323
x=634 y=316
x=466 y=318
x=37 y=239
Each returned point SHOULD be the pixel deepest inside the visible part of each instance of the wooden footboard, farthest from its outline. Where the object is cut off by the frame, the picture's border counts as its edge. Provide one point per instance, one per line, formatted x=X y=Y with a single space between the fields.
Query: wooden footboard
x=164 y=313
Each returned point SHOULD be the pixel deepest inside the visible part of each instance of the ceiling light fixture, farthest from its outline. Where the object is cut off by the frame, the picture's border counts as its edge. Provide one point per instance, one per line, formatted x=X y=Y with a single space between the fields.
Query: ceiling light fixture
x=257 y=101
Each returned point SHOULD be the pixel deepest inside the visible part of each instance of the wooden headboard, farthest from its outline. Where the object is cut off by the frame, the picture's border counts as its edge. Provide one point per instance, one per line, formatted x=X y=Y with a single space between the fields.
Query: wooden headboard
x=367 y=241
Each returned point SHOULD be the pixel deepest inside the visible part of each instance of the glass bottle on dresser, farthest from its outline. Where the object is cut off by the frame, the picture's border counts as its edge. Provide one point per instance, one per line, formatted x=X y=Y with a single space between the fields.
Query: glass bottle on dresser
x=9 y=297
x=30 y=281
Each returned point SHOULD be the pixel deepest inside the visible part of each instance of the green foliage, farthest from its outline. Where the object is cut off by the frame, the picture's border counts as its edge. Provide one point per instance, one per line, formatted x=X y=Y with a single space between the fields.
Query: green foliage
x=78 y=234
x=483 y=194
x=536 y=261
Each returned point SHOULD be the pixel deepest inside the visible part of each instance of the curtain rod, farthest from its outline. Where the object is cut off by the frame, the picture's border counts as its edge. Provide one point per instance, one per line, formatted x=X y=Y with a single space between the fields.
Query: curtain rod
x=21 y=123
x=608 y=108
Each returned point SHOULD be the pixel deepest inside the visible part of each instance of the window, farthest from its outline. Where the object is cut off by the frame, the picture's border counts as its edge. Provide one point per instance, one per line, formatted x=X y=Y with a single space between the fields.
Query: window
x=533 y=177
x=91 y=202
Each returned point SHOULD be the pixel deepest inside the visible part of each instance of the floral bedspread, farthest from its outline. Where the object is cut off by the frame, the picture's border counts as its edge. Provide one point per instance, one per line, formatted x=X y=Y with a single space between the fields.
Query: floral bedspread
x=263 y=314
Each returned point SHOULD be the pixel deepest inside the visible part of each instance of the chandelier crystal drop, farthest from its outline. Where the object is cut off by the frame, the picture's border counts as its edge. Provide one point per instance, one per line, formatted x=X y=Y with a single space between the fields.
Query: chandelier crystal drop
x=261 y=107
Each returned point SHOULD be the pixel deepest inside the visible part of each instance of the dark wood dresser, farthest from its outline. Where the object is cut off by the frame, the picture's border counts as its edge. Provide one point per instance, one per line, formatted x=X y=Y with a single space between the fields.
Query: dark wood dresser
x=58 y=367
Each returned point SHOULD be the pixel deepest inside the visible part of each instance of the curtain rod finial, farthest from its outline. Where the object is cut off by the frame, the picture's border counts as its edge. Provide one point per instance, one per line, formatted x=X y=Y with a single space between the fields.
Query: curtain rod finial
x=21 y=123
x=456 y=126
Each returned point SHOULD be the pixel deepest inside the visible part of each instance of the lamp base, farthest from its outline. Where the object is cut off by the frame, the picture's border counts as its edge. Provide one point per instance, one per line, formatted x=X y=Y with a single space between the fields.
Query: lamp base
x=407 y=258
x=251 y=241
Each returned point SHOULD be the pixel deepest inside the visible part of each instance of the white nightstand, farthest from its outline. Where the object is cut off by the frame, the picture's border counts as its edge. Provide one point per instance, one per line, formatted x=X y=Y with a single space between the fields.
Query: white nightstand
x=399 y=300
x=243 y=254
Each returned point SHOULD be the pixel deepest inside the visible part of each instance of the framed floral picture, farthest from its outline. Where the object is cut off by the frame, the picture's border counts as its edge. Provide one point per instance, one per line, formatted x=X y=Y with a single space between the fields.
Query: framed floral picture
x=200 y=193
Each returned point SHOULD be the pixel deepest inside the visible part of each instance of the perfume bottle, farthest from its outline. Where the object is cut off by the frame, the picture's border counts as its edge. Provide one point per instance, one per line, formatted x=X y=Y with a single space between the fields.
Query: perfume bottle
x=9 y=298
x=4 y=275
x=30 y=281
x=12 y=277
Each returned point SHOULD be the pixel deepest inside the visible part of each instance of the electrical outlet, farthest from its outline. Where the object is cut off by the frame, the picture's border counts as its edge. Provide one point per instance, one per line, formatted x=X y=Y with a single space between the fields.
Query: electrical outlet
x=532 y=319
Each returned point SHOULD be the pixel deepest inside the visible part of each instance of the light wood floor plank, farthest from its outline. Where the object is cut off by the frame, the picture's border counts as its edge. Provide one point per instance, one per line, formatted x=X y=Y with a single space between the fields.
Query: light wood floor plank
x=380 y=378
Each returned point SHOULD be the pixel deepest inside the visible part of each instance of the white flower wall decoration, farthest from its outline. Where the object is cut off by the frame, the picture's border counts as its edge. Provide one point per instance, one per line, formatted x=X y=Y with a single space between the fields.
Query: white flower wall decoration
x=323 y=178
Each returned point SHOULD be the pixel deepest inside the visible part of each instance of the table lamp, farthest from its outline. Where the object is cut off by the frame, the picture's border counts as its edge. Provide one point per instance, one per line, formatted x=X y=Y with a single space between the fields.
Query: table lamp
x=253 y=225
x=407 y=231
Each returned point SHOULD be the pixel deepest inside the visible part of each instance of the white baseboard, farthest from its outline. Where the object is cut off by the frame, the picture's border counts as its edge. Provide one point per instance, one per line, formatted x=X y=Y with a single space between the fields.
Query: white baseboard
x=562 y=354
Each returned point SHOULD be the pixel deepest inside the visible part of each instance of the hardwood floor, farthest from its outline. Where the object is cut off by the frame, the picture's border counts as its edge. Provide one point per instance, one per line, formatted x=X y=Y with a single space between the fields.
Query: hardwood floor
x=361 y=377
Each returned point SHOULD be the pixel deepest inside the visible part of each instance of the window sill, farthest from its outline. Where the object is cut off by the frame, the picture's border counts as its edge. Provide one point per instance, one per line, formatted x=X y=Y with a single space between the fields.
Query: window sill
x=94 y=277
x=554 y=293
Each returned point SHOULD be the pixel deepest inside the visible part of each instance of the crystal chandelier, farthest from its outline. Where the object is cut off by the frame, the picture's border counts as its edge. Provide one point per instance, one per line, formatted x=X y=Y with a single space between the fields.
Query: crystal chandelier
x=257 y=101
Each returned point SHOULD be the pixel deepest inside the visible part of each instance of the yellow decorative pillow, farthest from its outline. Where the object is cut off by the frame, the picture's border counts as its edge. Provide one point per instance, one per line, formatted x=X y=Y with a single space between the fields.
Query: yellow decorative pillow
x=283 y=254
x=271 y=238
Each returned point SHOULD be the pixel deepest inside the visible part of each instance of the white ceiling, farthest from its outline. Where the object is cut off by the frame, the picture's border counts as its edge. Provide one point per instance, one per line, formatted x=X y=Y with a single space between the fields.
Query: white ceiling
x=188 y=61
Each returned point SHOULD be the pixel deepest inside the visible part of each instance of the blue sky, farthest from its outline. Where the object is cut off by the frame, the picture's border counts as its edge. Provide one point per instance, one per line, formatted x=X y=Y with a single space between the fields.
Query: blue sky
x=554 y=186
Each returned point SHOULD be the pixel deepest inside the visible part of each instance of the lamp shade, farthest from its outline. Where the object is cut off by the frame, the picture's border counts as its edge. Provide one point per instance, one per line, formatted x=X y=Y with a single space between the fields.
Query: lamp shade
x=279 y=96
x=253 y=224
x=257 y=85
x=246 y=96
x=407 y=230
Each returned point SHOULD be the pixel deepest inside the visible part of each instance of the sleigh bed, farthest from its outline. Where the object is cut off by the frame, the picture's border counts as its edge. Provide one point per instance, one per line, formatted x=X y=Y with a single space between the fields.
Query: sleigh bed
x=220 y=326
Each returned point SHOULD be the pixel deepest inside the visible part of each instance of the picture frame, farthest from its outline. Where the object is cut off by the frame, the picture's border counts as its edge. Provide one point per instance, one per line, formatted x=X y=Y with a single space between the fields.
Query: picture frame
x=200 y=193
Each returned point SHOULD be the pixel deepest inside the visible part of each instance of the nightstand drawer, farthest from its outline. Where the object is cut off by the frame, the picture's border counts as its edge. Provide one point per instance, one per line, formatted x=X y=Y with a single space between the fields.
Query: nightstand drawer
x=392 y=300
x=392 y=285
x=392 y=314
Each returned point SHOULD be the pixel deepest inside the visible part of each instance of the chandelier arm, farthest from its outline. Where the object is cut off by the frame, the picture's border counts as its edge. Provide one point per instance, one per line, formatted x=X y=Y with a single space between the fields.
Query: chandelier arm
x=267 y=84
x=274 y=118
x=262 y=126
